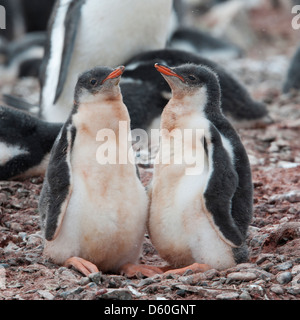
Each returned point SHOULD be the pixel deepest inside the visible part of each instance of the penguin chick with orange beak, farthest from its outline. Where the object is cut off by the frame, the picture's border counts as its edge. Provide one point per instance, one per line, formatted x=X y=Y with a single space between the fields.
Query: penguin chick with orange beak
x=200 y=211
x=94 y=215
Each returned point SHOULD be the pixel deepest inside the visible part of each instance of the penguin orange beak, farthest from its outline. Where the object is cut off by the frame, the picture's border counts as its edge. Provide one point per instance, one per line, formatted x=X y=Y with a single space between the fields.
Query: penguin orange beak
x=167 y=71
x=115 y=74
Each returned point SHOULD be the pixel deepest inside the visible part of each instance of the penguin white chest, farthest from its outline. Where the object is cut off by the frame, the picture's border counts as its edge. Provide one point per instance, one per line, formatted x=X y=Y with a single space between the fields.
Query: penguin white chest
x=106 y=216
x=180 y=226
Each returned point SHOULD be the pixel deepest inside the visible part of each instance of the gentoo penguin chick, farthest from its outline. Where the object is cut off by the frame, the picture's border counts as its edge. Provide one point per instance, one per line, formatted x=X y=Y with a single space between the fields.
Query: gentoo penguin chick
x=93 y=214
x=199 y=213
x=86 y=33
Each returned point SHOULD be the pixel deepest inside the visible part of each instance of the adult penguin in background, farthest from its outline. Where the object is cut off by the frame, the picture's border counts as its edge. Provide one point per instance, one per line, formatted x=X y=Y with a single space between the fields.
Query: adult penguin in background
x=200 y=211
x=85 y=33
x=25 y=144
x=236 y=102
x=94 y=212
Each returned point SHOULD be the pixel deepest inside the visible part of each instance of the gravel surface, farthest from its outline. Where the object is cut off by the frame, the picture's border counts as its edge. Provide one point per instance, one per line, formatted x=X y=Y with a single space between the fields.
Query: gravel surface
x=273 y=270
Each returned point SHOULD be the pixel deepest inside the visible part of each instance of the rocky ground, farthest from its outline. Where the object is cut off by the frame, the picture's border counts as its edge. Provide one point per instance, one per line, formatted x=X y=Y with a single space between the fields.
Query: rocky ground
x=273 y=270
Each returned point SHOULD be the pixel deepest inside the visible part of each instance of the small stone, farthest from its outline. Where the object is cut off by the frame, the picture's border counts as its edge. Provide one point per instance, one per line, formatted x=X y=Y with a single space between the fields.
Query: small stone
x=187 y=288
x=273 y=147
x=181 y=293
x=263 y=257
x=91 y=285
x=292 y=196
x=188 y=280
x=34 y=240
x=296 y=280
x=114 y=281
x=192 y=279
x=135 y=292
x=256 y=289
x=114 y=294
x=212 y=273
x=295 y=285
x=84 y=281
x=46 y=294
x=262 y=274
x=294 y=291
x=3 y=198
x=296 y=270
x=11 y=247
x=15 y=226
x=95 y=277
x=245 y=295
x=227 y=296
x=284 y=266
x=67 y=274
x=267 y=266
x=188 y=272
x=276 y=288
x=241 y=276
x=191 y=289
x=145 y=282
x=22 y=235
x=284 y=277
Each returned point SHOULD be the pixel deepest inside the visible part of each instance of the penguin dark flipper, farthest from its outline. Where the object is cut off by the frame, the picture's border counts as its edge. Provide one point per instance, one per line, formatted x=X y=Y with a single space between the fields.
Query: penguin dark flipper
x=223 y=183
x=57 y=187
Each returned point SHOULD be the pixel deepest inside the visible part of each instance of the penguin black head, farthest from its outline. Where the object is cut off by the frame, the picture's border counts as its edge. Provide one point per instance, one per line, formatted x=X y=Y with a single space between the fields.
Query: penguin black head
x=191 y=80
x=97 y=83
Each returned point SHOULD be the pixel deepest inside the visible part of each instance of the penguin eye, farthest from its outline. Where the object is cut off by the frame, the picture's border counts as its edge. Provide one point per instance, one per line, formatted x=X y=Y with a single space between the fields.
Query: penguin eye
x=93 y=82
x=192 y=78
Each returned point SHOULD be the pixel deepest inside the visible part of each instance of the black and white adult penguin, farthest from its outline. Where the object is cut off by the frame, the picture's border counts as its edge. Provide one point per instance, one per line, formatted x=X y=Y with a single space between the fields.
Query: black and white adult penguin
x=199 y=220
x=94 y=215
x=292 y=80
x=86 y=33
x=236 y=102
x=25 y=144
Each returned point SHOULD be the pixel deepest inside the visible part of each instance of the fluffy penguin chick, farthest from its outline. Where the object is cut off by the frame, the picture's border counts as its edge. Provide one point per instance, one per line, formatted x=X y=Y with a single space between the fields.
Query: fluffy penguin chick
x=94 y=215
x=198 y=215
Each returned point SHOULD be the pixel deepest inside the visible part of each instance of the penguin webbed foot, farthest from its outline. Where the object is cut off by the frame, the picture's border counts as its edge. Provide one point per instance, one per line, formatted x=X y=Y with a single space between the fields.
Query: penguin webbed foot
x=131 y=270
x=195 y=268
x=83 y=266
